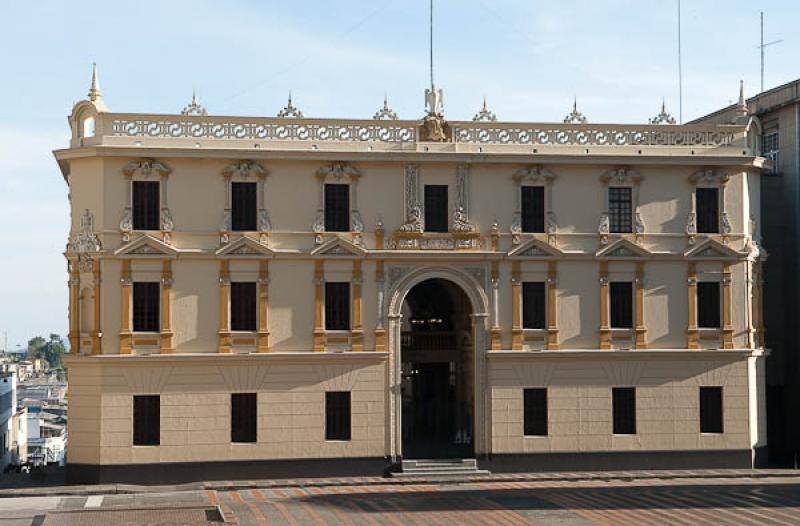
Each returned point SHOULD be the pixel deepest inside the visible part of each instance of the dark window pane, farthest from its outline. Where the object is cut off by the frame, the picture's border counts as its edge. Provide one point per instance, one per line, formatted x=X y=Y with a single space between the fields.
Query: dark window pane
x=146 y=420
x=243 y=306
x=146 y=307
x=533 y=305
x=707 y=210
x=146 y=205
x=244 y=417
x=337 y=415
x=711 y=410
x=337 y=207
x=620 y=211
x=621 y=304
x=337 y=306
x=244 y=206
x=624 y=409
x=708 y=305
x=535 y=418
x=533 y=209
x=436 y=208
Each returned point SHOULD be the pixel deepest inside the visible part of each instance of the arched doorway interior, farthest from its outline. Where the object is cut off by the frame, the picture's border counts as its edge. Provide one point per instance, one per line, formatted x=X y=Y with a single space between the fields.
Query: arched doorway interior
x=437 y=372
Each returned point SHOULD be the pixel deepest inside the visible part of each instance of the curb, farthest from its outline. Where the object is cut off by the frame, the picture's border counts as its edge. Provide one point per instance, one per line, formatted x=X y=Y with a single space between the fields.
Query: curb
x=129 y=489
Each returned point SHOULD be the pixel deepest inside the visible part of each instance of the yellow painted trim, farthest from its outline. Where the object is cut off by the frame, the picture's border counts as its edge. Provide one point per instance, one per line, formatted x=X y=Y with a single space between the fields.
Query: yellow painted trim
x=641 y=329
x=97 y=332
x=727 y=327
x=552 y=307
x=224 y=345
x=692 y=334
x=125 y=336
x=166 y=336
x=495 y=334
x=605 y=328
x=263 y=306
x=516 y=306
x=319 y=306
x=74 y=307
x=357 y=342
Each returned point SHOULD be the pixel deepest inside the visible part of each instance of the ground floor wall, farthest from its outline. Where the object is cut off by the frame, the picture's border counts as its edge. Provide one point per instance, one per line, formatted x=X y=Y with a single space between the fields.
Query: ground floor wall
x=195 y=415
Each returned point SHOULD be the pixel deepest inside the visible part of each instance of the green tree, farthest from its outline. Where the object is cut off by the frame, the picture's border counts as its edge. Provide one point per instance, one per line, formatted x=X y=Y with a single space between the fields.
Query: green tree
x=52 y=350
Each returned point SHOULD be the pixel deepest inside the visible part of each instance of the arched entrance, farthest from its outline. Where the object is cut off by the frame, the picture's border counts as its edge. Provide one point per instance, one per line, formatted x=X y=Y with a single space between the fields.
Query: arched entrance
x=437 y=371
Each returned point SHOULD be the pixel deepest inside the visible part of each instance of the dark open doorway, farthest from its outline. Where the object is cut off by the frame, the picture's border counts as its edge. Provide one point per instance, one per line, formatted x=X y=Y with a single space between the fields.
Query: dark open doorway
x=437 y=372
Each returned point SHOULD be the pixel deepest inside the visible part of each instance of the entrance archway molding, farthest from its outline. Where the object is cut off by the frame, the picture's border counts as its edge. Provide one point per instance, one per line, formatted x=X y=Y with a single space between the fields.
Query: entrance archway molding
x=476 y=293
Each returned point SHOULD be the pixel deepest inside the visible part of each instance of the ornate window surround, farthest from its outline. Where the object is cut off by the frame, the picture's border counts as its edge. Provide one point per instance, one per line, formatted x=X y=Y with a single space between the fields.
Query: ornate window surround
x=534 y=176
x=338 y=172
x=708 y=178
x=245 y=172
x=84 y=286
x=625 y=177
x=411 y=235
x=142 y=170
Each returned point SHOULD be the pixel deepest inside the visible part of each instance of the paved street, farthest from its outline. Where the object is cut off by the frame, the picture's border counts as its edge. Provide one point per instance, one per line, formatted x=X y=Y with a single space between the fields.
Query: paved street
x=709 y=501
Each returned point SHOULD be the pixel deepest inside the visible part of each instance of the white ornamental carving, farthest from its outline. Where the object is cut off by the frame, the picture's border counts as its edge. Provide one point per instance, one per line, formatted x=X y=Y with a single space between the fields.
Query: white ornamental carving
x=725 y=224
x=604 y=228
x=245 y=170
x=126 y=224
x=461 y=222
x=85 y=240
x=264 y=224
x=516 y=228
x=691 y=224
x=167 y=223
x=638 y=223
x=413 y=220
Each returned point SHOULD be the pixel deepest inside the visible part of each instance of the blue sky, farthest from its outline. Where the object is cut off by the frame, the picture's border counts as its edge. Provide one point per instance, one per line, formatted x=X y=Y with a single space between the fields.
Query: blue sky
x=339 y=58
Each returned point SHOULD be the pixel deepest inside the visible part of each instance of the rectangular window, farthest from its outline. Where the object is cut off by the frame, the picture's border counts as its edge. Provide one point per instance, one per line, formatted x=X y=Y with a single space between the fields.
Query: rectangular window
x=146 y=307
x=620 y=209
x=243 y=306
x=708 y=305
x=244 y=417
x=707 y=202
x=533 y=208
x=535 y=417
x=621 y=304
x=244 y=206
x=436 y=208
x=146 y=420
x=770 y=148
x=337 y=415
x=337 y=207
x=146 y=205
x=534 y=305
x=711 y=410
x=624 y=409
x=337 y=306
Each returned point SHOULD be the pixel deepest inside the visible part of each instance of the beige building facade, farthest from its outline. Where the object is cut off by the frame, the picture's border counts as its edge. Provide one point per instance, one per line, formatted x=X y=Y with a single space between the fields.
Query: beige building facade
x=299 y=296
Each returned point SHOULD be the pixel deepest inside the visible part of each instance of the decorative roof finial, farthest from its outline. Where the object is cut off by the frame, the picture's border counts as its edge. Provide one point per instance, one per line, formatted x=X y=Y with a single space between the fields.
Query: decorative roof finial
x=575 y=117
x=742 y=104
x=290 y=110
x=485 y=114
x=385 y=112
x=194 y=107
x=94 y=89
x=663 y=117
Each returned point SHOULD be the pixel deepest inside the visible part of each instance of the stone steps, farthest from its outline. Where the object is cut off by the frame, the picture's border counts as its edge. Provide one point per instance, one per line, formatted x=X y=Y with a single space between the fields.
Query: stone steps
x=465 y=467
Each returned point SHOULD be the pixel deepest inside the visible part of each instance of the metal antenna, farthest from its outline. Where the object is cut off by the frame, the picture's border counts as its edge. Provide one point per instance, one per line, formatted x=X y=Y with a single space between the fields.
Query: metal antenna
x=431 y=50
x=762 y=46
x=680 y=69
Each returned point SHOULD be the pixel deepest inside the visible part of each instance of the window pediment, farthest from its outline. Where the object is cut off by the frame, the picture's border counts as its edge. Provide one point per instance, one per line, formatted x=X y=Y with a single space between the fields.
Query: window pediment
x=246 y=247
x=147 y=246
x=339 y=247
x=623 y=249
x=534 y=248
x=712 y=249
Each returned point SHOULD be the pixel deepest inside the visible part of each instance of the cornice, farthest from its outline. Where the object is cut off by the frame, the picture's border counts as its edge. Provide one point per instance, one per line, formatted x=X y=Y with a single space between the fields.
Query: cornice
x=111 y=360
x=616 y=354
x=457 y=155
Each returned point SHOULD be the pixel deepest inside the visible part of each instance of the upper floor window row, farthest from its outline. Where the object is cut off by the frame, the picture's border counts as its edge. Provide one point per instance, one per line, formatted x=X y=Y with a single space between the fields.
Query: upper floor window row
x=337 y=207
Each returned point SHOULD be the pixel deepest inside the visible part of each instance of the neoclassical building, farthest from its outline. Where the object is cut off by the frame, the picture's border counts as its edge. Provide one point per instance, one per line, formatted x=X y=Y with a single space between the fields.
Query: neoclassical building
x=259 y=297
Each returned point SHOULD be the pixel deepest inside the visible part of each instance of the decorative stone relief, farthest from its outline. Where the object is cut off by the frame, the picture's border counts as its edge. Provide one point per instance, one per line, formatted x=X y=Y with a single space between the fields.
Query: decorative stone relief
x=413 y=208
x=461 y=222
x=338 y=171
x=385 y=113
x=604 y=228
x=290 y=111
x=85 y=240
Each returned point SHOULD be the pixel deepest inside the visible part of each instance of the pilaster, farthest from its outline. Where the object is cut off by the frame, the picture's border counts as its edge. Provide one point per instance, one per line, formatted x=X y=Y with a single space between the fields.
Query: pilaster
x=516 y=306
x=74 y=306
x=224 y=345
x=552 y=307
x=125 y=336
x=380 y=330
x=727 y=323
x=641 y=329
x=605 y=327
x=319 y=306
x=692 y=334
x=357 y=334
x=97 y=332
x=166 y=335
x=263 y=306
x=495 y=333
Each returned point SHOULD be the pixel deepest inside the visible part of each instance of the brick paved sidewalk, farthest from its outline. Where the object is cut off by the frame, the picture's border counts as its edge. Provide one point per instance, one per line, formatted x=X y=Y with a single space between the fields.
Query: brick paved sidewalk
x=108 y=489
